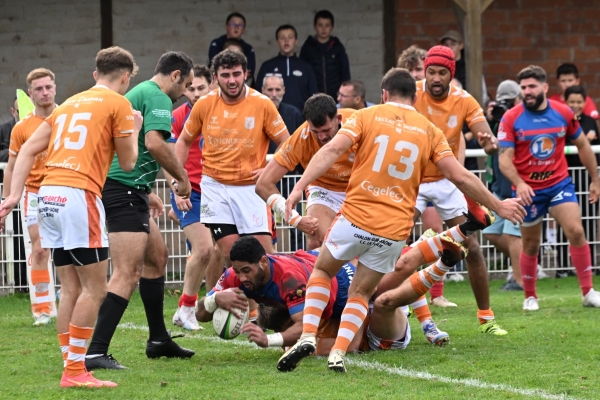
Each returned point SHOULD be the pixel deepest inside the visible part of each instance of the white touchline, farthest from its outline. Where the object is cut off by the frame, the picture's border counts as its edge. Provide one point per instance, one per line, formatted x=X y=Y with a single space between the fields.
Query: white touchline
x=376 y=366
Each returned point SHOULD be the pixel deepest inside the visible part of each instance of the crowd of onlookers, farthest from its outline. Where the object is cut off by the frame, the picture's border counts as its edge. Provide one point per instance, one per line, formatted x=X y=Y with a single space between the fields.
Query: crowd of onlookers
x=322 y=65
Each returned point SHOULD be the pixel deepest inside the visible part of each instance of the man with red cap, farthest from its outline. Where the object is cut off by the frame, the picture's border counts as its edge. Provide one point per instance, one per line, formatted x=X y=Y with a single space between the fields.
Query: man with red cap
x=449 y=108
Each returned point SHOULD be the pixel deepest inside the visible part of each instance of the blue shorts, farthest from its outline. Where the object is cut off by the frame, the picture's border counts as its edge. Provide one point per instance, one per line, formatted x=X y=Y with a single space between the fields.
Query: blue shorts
x=188 y=217
x=544 y=199
x=502 y=226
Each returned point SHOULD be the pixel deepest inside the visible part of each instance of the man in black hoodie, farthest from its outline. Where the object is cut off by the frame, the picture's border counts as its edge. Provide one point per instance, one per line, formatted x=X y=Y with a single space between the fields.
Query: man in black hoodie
x=327 y=55
x=298 y=76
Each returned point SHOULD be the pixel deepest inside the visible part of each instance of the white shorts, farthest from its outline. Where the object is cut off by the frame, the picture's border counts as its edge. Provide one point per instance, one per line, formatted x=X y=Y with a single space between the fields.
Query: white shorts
x=377 y=343
x=71 y=218
x=31 y=208
x=325 y=197
x=446 y=198
x=347 y=241
x=233 y=205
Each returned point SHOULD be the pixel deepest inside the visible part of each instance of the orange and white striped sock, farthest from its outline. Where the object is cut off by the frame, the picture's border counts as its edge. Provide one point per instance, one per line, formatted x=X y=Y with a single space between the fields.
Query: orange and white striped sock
x=431 y=248
x=423 y=280
x=63 y=341
x=485 y=315
x=40 y=279
x=353 y=316
x=421 y=309
x=253 y=315
x=318 y=291
x=79 y=338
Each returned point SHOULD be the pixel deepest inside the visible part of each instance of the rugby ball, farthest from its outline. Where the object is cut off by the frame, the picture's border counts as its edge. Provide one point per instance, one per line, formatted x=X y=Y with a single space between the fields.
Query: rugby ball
x=227 y=325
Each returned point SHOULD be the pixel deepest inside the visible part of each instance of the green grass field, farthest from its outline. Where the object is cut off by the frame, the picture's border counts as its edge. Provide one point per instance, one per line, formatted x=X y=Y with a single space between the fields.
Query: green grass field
x=551 y=354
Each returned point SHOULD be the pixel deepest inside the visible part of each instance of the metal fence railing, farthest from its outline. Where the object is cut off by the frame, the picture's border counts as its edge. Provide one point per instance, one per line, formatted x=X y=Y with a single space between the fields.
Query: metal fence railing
x=552 y=256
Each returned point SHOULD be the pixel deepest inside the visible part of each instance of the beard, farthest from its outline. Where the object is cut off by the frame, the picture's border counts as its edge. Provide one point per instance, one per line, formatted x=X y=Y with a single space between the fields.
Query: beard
x=437 y=86
x=539 y=99
x=225 y=91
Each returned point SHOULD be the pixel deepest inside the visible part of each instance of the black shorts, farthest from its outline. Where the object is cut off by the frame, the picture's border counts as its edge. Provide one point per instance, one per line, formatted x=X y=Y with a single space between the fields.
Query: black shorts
x=127 y=209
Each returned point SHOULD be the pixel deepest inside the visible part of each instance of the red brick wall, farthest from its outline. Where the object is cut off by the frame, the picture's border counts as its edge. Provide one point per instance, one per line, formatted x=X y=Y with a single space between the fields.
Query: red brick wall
x=516 y=33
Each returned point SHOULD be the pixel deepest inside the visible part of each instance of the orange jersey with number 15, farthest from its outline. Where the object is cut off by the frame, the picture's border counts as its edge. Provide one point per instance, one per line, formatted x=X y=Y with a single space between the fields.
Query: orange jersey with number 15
x=395 y=144
x=19 y=135
x=81 y=146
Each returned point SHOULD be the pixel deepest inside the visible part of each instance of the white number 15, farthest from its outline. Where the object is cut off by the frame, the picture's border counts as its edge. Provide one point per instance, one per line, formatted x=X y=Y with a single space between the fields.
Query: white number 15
x=73 y=128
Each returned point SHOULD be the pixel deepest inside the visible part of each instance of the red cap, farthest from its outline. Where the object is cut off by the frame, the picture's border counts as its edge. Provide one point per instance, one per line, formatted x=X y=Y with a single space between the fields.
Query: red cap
x=441 y=56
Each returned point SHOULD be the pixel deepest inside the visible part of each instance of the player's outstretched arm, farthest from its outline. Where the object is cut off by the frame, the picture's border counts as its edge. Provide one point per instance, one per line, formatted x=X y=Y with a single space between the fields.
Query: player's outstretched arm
x=321 y=162
x=36 y=144
x=472 y=186
x=8 y=171
x=182 y=147
x=286 y=338
x=588 y=159
x=162 y=153
x=485 y=137
x=266 y=184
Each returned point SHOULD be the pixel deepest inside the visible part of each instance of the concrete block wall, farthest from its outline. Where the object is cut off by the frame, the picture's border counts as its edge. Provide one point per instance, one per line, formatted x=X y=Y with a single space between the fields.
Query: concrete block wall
x=66 y=37
x=516 y=33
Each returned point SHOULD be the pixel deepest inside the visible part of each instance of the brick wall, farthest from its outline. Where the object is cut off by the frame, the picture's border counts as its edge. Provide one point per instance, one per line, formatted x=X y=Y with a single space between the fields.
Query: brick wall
x=65 y=38
x=516 y=33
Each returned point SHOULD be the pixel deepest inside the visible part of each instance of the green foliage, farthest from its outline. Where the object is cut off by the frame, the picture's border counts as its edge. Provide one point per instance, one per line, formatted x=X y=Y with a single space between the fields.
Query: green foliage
x=547 y=354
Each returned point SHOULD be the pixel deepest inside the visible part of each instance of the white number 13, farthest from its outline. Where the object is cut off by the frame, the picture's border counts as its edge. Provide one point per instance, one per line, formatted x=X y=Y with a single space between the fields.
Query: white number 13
x=408 y=162
x=73 y=128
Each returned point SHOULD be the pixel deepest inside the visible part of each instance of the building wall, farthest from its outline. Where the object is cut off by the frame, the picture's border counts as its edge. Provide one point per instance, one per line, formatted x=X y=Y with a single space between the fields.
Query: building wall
x=65 y=38
x=516 y=33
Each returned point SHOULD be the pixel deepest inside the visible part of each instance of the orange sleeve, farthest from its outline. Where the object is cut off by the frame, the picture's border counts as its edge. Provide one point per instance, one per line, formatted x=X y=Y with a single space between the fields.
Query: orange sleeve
x=274 y=126
x=440 y=148
x=122 y=118
x=16 y=140
x=353 y=127
x=290 y=153
x=473 y=111
x=193 y=125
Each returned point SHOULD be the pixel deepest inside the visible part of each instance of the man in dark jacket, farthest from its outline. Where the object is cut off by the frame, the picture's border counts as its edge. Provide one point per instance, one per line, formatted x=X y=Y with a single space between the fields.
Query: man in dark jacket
x=5 y=130
x=236 y=26
x=327 y=55
x=298 y=76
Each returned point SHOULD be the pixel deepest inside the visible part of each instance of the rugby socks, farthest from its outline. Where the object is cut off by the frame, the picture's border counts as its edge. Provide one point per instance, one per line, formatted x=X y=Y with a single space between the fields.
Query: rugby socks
x=78 y=340
x=582 y=261
x=529 y=265
x=253 y=315
x=423 y=280
x=40 y=279
x=318 y=291
x=422 y=312
x=353 y=316
x=485 y=315
x=152 y=292
x=188 y=301
x=63 y=341
x=110 y=314
x=431 y=248
x=437 y=290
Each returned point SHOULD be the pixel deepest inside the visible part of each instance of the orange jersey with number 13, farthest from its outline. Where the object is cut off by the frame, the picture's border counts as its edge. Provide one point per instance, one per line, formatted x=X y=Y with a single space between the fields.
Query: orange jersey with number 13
x=81 y=145
x=395 y=144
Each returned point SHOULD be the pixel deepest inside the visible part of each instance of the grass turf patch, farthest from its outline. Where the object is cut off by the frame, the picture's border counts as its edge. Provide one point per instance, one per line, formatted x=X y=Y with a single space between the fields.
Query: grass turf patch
x=551 y=353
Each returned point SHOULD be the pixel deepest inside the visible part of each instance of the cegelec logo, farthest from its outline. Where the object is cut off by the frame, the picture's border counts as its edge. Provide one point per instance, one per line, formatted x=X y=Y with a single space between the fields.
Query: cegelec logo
x=393 y=192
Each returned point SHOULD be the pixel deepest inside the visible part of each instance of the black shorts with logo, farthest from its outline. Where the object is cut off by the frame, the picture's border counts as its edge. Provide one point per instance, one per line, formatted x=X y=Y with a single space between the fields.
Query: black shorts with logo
x=127 y=209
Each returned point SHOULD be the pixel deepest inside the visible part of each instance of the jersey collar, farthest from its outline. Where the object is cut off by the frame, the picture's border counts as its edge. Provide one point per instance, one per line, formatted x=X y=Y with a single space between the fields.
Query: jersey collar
x=100 y=86
x=401 y=105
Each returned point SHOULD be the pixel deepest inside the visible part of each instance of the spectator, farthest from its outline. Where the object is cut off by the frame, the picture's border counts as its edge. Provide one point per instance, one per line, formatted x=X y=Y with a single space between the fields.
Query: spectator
x=454 y=40
x=575 y=97
x=352 y=95
x=503 y=234
x=327 y=55
x=273 y=87
x=298 y=76
x=567 y=75
x=413 y=60
x=5 y=130
x=235 y=26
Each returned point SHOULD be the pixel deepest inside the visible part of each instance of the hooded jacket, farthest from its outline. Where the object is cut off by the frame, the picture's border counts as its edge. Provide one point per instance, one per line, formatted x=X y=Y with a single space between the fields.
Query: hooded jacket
x=330 y=62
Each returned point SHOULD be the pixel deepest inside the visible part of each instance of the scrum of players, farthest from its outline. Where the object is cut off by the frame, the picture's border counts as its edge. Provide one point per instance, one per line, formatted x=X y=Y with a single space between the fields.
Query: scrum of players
x=91 y=162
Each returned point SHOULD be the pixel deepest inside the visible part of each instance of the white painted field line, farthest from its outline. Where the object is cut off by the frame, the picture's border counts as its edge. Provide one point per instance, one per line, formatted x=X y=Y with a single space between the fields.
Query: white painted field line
x=409 y=373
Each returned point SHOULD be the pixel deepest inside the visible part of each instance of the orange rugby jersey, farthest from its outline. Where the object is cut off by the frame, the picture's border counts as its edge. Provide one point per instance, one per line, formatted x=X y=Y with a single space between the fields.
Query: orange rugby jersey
x=449 y=115
x=303 y=145
x=19 y=135
x=236 y=136
x=395 y=145
x=81 y=146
